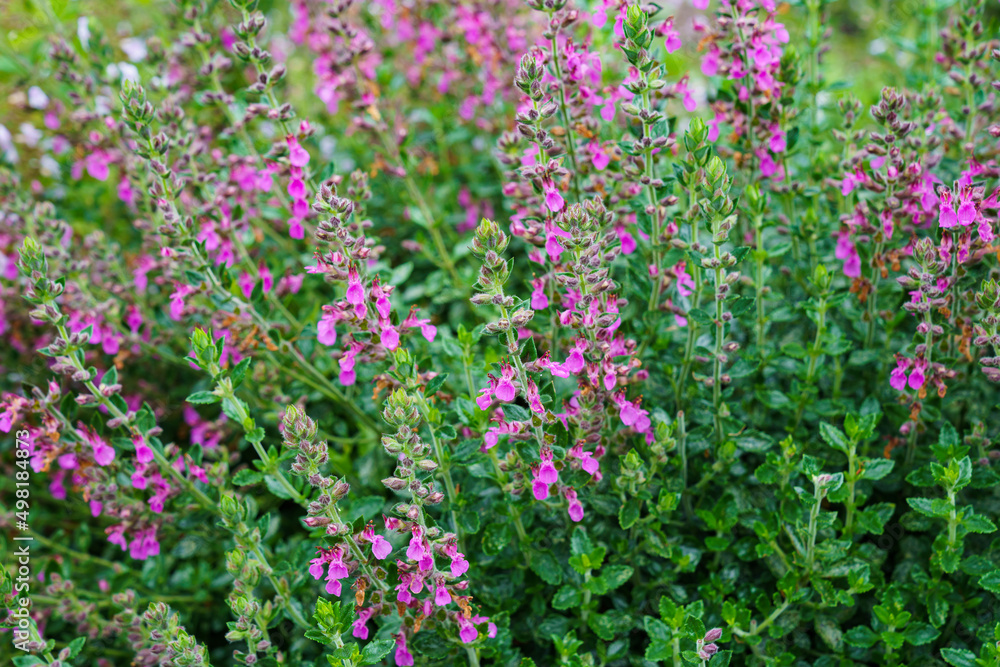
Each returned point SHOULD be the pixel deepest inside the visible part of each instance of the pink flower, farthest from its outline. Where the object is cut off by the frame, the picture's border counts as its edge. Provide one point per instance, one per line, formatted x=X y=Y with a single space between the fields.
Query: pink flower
x=347 y=374
x=850 y=181
x=333 y=559
x=355 y=292
x=632 y=415
x=326 y=332
x=538 y=299
x=687 y=99
x=143 y=453
x=897 y=379
x=547 y=472
x=442 y=597
x=97 y=164
x=553 y=200
x=415 y=551
x=297 y=188
x=459 y=565
x=403 y=657
x=246 y=283
x=382 y=304
x=946 y=214
x=589 y=464
x=672 y=38
x=381 y=547
x=599 y=158
x=485 y=398
x=916 y=379
x=685 y=283
x=777 y=143
x=534 y=398
x=104 y=453
x=177 y=301
x=360 y=624
x=847 y=251
x=389 y=336
x=505 y=391
x=297 y=156
x=467 y=631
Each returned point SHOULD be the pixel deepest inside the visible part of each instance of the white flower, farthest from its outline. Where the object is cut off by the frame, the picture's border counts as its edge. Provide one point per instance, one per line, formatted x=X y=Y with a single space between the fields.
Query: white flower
x=83 y=31
x=134 y=48
x=37 y=99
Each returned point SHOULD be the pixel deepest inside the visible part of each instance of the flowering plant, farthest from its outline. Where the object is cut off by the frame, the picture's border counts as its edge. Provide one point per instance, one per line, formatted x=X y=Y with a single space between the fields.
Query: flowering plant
x=520 y=332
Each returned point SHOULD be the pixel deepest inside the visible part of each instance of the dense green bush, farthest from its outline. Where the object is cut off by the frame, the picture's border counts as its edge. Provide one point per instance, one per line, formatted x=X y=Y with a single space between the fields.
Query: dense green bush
x=494 y=332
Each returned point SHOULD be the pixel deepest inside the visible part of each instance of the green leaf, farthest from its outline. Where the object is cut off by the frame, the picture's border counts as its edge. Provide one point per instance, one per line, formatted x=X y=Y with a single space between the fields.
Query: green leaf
x=548 y=569
x=446 y=432
x=567 y=597
x=873 y=518
x=76 y=646
x=830 y=632
x=239 y=371
x=991 y=581
x=936 y=507
x=959 y=657
x=26 y=661
x=435 y=383
x=516 y=413
x=893 y=639
x=875 y=469
x=919 y=634
x=720 y=659
x=716 y=543
x=580 y=542
x=275 y=486
x=834 y=437
x=629 y=513
x=700 y=316
x=741 y=305
x=468 y=521
x=964 y=473
x=496 y=537
x=467 y=451
x=861 y=636
x=694 y=627
x=977 y=523
x=616 y=575
x=602 y=625
x=246 y=477
x=202 y=398
x=375 y=651
x=659 y=639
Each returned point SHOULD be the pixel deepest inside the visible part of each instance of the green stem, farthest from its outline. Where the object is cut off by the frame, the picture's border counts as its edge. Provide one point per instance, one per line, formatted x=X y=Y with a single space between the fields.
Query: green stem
x=720 y=334
x=651 y=194
x=445 y=468
x=872 y=305
x=759 y=255
x=852 y=480
x=813 y=529
x=564 y=112
x=682 y=450
x=815 y=352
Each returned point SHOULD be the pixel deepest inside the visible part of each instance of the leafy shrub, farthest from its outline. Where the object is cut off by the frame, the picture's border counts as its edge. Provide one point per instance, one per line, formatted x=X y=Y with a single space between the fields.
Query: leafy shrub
x=481 y=332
